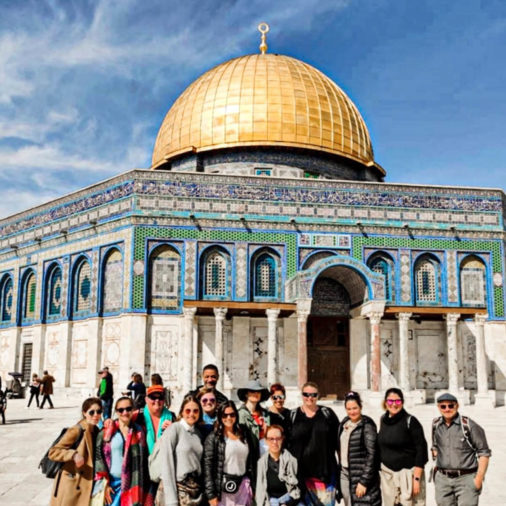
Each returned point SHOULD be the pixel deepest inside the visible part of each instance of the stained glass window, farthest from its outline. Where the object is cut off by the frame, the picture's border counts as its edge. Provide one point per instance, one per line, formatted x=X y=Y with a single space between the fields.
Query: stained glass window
x=165 y=278
x=426 y=281
x=112 y=295
x=6 y=292
x=82 y=288
x=54 y=293
x=265 y=276
x=29 y=297
x=472 y=282
x=215 y=275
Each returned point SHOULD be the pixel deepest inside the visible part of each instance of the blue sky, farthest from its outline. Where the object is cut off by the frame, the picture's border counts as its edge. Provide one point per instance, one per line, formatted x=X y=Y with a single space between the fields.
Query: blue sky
x=84 y=85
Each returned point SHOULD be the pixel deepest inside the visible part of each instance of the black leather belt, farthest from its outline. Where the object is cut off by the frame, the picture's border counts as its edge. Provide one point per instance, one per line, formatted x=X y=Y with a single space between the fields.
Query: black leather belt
x=455 y=473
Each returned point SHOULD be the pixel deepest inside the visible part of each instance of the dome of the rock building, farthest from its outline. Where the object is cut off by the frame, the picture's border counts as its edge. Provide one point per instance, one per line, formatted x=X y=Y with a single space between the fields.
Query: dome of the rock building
x=263 y=100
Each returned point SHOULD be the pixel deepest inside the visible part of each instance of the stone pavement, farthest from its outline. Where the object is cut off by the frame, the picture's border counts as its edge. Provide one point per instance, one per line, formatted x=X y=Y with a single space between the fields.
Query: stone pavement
x=28 y=433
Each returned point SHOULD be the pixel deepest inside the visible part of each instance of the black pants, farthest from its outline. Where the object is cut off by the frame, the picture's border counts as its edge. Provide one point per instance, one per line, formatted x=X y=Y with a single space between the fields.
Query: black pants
x=32 y=395
x=48 y=399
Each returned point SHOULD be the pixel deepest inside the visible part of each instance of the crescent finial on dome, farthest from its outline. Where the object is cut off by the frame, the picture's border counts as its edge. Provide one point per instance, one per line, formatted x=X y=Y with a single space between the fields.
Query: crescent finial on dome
x=263 y=28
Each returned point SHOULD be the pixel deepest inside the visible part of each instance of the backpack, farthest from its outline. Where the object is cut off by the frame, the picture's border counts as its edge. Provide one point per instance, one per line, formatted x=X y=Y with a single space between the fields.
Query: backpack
x=466 y=432
x=49 y=467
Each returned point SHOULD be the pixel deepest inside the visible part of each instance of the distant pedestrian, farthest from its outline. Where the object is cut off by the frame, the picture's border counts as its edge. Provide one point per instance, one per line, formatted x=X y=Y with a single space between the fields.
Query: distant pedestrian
x=460 y=448
x=138 y=390
x=358 y=455
x=34 y=389
x=46 y=389
x=403 y=453
x=106 y=391
x=156 y=380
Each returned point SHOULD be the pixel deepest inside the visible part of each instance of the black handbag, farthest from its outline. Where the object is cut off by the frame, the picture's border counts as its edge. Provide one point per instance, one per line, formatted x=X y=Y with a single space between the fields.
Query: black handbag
x=231 y=483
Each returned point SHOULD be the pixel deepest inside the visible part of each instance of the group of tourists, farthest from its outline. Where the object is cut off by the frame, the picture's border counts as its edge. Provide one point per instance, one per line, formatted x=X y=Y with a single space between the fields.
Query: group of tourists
x=215 y=453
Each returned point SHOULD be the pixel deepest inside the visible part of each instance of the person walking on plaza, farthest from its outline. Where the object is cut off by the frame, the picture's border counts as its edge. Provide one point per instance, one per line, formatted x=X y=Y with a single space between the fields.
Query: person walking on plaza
x=210 y=377
x=46 y=389
x=358 y=455
x=314 y=442
x=403 y=453
x=181 y=454
x=106 y=391
x=460 y=448
x=74 y=482
x=121 y=459
x=229 y=460
x=277 y=482
x=34 y=389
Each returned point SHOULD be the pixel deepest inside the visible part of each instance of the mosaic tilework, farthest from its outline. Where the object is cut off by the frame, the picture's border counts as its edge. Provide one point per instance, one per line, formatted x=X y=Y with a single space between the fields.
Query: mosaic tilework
x=166 y=278
x=6 y=299
x=451 y=274
x=94 y=281
x=112 y=299
x=82 y=288
x=190 y=277
x=405 y=276
x=54 y=293
x=241 y=270
x=65 y=285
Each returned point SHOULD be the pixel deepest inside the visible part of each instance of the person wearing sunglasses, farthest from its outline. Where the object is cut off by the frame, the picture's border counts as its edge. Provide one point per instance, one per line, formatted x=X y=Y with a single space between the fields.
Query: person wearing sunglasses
x=313 y=442
x=121 y=459
x=460 y=448
x=181 y=454
x=358 y=455
x=253 y=415
x=74 y=482
x=229 y=460
x=277 y=482
x=207 y=398
x=278 y=396
x=403 y=453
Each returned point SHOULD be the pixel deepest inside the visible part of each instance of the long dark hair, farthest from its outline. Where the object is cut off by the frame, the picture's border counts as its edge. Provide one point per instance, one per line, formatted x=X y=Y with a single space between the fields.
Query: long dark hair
x=219 y=428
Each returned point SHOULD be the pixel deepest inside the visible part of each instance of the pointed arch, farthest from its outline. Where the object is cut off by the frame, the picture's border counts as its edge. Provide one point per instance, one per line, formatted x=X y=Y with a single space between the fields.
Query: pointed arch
x=165 y=279
x=54 y=292
x=427 y=280
x=265 y=275
x=382 y=263
x=112 y=282
x=28 y=296
x=215 y=276
x=81 y=287
x=473 y=286
x=6 y=298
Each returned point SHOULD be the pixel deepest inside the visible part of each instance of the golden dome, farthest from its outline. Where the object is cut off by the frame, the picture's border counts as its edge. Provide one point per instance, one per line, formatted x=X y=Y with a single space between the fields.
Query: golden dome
x=264 y=100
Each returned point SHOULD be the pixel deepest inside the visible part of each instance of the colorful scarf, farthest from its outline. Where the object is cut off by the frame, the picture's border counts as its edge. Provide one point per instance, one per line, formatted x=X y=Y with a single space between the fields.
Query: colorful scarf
x=150 y=431
x=135 y=481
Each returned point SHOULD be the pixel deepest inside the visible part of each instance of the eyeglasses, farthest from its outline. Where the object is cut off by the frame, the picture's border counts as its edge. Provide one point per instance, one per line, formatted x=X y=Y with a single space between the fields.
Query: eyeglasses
x=208 y=401
x=94 y=412
x=128 y=409
x=313 y=395
x=391 y=402
x=450 y=405
x=228 y=415
x=155 y=398
x=189 y=411
x=278 y=397
x=274 y=439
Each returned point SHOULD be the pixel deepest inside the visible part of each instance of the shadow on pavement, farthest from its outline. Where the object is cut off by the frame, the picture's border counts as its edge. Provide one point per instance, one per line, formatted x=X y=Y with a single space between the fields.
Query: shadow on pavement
x=22 y=420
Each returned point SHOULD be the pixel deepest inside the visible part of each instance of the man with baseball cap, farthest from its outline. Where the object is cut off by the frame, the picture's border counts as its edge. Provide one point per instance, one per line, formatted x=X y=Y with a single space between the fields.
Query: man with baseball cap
x=461 y=451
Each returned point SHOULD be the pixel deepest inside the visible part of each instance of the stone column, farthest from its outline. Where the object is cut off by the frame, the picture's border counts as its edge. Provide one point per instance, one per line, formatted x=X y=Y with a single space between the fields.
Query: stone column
x=219 y=316
x=272 y=345
x=303 y=311
x=189 y=317
x=403 y=351
x=453 y=360
x=481 y=357
x=375 y=381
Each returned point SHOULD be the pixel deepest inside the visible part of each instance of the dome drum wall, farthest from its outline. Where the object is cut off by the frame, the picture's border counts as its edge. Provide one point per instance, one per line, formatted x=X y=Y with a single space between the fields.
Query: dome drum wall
x=268 y=101
x=290 y=162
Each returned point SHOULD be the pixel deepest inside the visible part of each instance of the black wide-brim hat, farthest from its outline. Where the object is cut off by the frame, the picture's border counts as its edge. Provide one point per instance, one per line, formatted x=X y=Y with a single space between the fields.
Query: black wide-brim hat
x=253 y=386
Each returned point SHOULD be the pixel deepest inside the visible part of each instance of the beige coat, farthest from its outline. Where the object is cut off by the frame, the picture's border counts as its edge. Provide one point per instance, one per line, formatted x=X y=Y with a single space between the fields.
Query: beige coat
x=72 y=486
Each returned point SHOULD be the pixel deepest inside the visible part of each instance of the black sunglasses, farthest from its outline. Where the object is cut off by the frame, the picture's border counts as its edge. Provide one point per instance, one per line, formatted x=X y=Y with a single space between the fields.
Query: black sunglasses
x=228 y=415
x=450 y=405
x=128 y=409
x=155 y=397
x=92 y=412
x=310 y=394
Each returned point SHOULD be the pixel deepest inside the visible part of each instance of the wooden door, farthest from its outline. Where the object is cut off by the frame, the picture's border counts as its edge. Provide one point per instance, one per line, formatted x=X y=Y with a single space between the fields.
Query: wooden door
x=329 y=354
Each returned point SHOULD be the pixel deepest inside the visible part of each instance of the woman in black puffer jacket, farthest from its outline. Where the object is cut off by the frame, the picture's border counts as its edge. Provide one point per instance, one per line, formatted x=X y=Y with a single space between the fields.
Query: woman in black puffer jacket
x=358 y=455
x=230 y=457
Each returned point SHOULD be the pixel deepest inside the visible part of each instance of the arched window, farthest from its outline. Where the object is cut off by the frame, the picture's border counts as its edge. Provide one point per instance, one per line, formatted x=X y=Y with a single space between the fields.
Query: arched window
x=472 y=281
x=265 y=276
x=28 y=295
x=81 y=299
x=215 y=275
x=427 y=281
x=112 y=282
x=165 y=279
x=54 y=291
x=382 y=264
x=6 y=292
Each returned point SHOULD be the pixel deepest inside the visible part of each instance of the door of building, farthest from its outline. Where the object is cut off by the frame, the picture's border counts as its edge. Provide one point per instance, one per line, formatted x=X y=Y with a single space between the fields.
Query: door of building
x=27 y=361
x=329 y=354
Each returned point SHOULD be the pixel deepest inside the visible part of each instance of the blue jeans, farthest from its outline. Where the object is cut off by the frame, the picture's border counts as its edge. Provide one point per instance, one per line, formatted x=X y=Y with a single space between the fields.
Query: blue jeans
x=107 y=406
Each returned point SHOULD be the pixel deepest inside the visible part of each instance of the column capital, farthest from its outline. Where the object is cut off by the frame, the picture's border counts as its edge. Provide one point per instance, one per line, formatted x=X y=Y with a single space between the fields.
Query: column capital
x=480 y=318
x=374 y=317
x=451 y=318
x=303 y=309
x=404 y=317
x=220 y=312
x=189 y=312
x=272 y=314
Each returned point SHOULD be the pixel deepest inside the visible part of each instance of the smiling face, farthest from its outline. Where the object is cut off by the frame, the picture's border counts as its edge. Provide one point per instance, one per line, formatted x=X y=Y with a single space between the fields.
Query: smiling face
x=93 y=415
x=155 y=403
x=208 y=403
x=228 y=418
x=253 y=397
x=210 y=378
x=448 y=409
x=191 y=413
x=393 y=404
x=353 y=410
x=124 y=410
x=278 y=399
x=309 y=397
x=274 y=440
